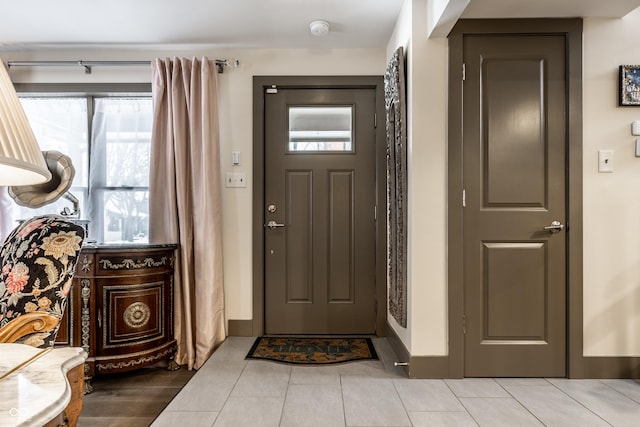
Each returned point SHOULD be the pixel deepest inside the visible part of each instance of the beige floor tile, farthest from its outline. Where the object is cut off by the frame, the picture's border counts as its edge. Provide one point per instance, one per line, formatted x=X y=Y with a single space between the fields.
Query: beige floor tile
x=609 y=404
x=372 y=402
x=315 y=375
x=185 y=419
x=476 y=387
x=313 y=406
x=251 y=412
x=630 y=388
x=499 y=412
x=263 y=379
x=553 y=407
x=441 y=419
x=427 y=395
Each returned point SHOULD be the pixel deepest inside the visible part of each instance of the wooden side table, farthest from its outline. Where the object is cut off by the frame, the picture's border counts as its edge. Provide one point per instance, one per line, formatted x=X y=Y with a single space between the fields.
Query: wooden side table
x=120 y=310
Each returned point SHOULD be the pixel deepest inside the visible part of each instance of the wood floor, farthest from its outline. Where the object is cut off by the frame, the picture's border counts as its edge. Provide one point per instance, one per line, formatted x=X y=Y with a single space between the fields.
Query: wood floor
x=131 y=399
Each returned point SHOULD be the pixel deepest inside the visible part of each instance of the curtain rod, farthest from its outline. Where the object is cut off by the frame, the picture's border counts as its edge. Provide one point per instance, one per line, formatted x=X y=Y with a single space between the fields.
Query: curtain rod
x=220 y=64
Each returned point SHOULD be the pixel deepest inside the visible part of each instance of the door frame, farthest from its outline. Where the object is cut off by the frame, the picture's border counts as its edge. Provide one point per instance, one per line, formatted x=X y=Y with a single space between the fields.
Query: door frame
x=260 y=84
x=572 y=30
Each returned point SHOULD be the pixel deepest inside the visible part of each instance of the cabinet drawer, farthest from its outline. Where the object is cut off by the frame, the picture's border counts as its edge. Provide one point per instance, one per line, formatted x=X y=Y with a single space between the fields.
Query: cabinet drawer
x=133 y=263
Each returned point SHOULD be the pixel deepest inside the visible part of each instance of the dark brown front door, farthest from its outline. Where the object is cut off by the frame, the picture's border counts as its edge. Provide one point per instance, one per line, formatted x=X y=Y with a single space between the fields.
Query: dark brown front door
x=514 y=167
x=320 y=194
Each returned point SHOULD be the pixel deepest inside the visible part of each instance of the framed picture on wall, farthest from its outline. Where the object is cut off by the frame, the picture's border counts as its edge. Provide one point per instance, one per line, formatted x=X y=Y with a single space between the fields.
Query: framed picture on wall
x=629 y=85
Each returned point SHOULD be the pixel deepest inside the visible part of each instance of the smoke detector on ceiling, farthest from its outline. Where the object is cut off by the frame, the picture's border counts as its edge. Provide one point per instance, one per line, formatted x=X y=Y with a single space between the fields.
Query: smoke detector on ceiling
x=319 y=28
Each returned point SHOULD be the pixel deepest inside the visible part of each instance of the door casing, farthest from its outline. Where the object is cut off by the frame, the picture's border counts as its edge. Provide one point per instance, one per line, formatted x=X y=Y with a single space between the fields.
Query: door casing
x=260 y=84
x=572 y=30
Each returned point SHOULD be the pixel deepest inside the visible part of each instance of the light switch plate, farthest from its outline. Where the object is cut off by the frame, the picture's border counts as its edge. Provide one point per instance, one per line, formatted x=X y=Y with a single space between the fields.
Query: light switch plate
x=605 y=160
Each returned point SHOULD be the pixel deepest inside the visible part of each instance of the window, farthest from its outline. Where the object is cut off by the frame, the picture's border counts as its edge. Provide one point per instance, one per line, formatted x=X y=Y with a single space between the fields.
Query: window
x=108 y=139
x=320 y=129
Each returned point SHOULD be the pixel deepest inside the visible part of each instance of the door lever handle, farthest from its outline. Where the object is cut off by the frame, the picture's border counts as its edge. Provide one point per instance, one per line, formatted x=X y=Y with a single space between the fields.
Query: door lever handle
x=272 y=225
x=555 y=227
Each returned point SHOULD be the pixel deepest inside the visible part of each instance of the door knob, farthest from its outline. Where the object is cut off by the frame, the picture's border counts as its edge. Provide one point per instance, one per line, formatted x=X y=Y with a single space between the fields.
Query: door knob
x=272 y=225
x=555 y=227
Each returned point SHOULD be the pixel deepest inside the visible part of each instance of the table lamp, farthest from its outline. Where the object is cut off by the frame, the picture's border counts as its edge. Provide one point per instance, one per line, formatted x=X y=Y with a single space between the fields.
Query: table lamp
x=21 y=161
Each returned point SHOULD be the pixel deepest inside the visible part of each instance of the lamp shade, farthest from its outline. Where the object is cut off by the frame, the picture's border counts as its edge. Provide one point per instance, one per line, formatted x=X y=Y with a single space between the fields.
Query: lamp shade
x=21 y=161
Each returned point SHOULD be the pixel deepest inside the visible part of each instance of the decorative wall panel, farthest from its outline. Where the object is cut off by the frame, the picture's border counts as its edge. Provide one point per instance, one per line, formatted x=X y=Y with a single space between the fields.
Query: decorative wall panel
x=395 y=105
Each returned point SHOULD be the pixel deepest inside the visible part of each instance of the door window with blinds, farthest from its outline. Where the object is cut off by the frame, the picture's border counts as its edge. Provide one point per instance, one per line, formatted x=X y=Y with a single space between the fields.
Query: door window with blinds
x=108 y=139
x=320 y=129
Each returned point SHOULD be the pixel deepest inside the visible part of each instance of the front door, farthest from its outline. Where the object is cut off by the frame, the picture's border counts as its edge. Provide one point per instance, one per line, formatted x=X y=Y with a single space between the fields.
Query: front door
x=320 y=207
x=514 y=215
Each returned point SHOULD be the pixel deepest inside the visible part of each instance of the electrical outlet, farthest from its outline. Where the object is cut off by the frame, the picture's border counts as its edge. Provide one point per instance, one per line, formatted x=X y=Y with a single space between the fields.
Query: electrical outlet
x=235 y=179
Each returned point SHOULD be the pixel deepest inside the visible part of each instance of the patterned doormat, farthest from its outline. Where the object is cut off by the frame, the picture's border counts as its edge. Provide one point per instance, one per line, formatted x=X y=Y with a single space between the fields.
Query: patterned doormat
x=312 y=350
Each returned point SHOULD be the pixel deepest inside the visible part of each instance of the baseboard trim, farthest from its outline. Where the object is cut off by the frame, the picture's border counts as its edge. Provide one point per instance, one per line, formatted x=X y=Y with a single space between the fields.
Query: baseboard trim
x=429 y=367
x=240 y=328
x=611 y=367
x=419 y=367
x=436 y=367
x=398 y=347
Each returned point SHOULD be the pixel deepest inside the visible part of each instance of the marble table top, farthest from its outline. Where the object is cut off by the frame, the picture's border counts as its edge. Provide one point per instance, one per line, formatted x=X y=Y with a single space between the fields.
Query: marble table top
x=33 y=383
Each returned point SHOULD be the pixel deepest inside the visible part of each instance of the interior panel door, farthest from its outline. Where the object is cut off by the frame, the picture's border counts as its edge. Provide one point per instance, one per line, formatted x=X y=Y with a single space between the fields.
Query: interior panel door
x=514 y=163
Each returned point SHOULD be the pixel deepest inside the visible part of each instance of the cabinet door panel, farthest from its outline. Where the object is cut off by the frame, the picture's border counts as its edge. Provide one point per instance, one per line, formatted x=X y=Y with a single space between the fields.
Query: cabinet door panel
x=131 y=313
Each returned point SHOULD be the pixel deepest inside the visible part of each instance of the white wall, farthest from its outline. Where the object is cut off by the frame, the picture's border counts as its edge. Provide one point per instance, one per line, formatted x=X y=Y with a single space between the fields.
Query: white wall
x=236 y=103
x=427 y=59
x=428 y=191
x=611 y=200
x=401 y=37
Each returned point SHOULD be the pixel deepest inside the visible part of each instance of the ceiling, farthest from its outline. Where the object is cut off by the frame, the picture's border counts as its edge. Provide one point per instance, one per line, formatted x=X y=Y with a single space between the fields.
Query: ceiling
x=151 y=24
x=549 y=8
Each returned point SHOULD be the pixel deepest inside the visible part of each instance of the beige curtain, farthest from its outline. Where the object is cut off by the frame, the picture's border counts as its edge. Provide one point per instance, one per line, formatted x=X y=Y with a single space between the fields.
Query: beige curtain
x=185 y=200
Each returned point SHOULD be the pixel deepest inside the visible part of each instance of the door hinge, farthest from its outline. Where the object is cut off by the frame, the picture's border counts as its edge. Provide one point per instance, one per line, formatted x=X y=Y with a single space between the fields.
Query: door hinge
x=272 y=89
x=464 y=71
x=464 y=324
x=464 y=198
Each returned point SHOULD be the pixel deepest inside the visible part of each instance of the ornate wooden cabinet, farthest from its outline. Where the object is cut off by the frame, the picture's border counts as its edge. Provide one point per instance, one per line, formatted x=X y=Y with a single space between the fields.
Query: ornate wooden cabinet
x=120 y=309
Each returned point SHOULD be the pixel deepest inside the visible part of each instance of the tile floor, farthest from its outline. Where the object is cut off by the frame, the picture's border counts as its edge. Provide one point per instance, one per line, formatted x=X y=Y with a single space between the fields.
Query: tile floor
x=231 y=391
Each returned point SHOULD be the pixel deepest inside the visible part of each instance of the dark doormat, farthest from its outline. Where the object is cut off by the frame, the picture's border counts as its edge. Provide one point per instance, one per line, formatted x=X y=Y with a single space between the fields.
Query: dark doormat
x=323 y=350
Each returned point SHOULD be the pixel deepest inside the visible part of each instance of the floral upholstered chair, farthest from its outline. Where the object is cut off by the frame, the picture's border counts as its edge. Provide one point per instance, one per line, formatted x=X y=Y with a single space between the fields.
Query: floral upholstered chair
x=38 y=261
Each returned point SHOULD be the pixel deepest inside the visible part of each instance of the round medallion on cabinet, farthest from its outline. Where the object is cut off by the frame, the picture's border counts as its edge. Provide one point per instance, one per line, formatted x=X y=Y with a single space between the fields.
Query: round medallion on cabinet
x=136 y=315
